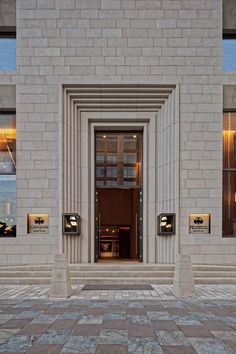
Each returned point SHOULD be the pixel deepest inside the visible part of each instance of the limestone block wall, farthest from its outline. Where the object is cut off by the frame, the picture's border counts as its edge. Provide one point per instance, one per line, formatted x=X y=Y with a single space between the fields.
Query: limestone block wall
x=124 y=41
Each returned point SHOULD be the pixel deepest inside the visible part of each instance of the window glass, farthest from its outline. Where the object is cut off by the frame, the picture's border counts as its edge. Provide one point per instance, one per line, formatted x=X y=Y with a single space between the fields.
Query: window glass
x=7 y=54
x=7 y=143
x=229 y=203
x=7 y=175
x=111 y=172
x=229 y=54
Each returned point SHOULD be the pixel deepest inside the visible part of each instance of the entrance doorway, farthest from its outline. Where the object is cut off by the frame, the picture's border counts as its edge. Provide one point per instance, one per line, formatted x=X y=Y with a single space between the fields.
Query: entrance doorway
x=118 y=234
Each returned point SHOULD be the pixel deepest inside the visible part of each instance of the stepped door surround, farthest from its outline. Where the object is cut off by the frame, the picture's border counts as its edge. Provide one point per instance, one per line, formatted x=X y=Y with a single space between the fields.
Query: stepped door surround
x=152 y=109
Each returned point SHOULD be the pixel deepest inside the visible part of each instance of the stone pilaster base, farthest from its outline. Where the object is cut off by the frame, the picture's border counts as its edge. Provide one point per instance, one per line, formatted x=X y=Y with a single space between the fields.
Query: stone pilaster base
x=60 y=282
x=183 y=285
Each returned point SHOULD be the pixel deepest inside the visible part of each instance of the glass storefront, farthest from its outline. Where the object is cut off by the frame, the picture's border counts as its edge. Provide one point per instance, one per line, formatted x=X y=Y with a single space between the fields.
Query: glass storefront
x=7 y=175
x=229 y=174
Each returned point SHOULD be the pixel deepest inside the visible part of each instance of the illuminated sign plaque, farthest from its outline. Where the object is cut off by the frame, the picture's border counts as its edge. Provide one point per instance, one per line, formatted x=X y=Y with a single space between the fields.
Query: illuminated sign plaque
x=37 y=223
x=199 y=223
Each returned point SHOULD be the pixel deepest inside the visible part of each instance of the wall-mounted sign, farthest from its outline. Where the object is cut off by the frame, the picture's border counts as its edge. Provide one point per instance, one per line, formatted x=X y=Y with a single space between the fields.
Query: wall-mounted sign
x=71 y=224
x=166 y=224
x=37 y=223
x=199 y=223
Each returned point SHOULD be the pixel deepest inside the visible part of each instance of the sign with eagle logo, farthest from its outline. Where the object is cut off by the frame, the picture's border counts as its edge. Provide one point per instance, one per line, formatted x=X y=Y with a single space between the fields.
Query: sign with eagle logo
x=199 y=223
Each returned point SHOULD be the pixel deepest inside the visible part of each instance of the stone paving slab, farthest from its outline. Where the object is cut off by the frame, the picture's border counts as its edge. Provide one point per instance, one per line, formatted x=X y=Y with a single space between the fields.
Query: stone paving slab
x=174 y=326
x=223 y=292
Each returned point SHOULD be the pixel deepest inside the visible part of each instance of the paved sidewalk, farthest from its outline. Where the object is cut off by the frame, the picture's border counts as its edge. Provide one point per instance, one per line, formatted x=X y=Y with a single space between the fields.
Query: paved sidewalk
x=118 y=326
x=223 y=292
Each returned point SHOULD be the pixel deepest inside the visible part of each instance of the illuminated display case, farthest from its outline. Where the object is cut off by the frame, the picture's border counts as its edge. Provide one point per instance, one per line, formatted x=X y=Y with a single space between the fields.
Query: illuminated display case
x=71 y=224
x=166 y=224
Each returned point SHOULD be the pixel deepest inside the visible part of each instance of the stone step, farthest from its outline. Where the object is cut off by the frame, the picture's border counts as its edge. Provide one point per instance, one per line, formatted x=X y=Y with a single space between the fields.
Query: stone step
x=43 y=267
x=214 y=268
x=84 y=274
x=126 y=274
x=215 y=280
x=214 y=274
x=25 y=274
x=26 y=280
x=115 y=267
x=122 y=280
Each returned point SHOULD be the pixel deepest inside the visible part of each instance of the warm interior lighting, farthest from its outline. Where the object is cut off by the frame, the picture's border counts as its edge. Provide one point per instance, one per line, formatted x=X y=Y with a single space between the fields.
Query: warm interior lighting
x=8 y=133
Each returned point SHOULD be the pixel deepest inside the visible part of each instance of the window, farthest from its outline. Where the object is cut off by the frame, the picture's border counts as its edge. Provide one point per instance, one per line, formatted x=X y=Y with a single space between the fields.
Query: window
x=8 y=50
x=229 y=51
x=229 y=174
x=7 y=174
x=118 y=159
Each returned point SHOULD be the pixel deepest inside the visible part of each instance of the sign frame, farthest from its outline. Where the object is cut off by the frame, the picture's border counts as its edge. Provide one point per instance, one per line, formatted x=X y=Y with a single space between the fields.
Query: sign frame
x=76 y=219
x=37 y=223
x=201 y=222
x=169 y=217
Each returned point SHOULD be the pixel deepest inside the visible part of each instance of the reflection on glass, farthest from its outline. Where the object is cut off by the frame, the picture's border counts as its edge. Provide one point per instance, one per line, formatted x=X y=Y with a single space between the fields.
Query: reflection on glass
x=229 y=54
x=100 y=157
x=111 y=172
x=7 y=175
x=7 y=144
x=229 y=204
x=100 y=171
x=130 y=157
x=118 y=159
x=7 y=54
x=111 y=157
x=129 y=172
x=7 y=205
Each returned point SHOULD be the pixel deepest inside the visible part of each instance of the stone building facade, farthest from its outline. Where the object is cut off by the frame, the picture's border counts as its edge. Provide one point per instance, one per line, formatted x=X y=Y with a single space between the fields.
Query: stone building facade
x=96 y=65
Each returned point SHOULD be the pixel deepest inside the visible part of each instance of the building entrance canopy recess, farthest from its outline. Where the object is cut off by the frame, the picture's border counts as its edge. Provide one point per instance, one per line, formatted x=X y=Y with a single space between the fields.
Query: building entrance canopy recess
x=152 y=109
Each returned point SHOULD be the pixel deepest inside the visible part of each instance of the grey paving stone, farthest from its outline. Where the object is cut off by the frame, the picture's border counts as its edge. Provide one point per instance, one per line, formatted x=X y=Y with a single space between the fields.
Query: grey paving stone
x=172 y=338
x=28 y=315
x=142 y=345
x=226 y=335
x=118 y=336
x=186 y=320
x=80 y=344
x=210 y=346
x=6 y=334
x=71 y=316
x=16 y=344
x=90 y=319
x=44 y=318
x=59 y=336
x=118 y=315
x=138 y=319
x=158 y=315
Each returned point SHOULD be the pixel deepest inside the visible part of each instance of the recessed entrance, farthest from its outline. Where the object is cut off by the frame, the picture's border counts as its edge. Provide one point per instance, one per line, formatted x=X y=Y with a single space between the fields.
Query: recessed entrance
x=118 y=234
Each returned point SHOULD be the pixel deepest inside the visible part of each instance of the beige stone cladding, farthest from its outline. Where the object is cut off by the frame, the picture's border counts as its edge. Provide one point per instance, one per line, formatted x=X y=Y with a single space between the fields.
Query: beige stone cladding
x=61 y=42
